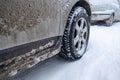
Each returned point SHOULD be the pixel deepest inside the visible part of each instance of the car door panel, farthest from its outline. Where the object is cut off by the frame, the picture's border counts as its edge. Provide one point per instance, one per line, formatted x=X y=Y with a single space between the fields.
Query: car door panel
x=24 y=21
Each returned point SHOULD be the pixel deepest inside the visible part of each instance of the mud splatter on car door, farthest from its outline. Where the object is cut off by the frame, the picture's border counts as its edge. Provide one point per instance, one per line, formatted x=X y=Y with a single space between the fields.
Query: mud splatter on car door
x=24 y=21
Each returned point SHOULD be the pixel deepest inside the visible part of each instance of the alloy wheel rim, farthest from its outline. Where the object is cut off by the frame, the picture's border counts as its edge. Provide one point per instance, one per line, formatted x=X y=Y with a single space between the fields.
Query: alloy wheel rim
x=80 y=36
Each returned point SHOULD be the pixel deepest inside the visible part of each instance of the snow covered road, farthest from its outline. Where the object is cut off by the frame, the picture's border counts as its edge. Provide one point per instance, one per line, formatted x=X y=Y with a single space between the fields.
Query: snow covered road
x=101 y=61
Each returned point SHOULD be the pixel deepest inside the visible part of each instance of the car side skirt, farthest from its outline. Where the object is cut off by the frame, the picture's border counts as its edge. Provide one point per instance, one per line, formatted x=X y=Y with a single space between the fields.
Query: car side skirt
x=27 y=55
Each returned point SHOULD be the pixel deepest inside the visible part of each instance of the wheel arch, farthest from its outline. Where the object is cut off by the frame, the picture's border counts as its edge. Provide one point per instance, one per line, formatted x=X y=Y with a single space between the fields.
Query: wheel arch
x=113 y=14
x=85 y=5
x=74 y=4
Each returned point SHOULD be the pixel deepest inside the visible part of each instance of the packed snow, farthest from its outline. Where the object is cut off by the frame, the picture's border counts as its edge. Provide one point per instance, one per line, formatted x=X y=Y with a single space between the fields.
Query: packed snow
x=101 y=61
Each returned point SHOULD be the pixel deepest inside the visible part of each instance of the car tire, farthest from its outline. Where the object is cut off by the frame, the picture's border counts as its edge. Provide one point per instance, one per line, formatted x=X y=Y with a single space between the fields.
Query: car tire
x=110 y=21
x=76 y=34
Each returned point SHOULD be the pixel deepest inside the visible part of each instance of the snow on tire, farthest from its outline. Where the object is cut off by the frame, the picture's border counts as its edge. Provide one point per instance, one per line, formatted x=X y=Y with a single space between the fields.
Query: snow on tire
x=110 y=21
x=76 y=34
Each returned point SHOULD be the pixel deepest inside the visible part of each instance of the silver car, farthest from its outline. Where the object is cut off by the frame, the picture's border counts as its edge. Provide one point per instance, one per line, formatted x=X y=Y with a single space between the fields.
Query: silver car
x=34 y=30
x=107 y=11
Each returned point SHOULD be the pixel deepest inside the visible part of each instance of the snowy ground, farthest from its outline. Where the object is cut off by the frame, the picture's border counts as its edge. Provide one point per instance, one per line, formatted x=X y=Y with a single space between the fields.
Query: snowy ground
x=101 y=61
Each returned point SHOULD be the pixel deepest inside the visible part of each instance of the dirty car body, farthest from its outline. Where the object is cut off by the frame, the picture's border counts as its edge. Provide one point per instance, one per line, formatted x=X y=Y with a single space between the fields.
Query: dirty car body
x=31 y=31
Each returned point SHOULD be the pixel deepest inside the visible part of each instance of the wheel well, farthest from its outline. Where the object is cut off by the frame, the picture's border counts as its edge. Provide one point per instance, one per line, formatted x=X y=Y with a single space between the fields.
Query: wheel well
x=85 y=5
x=113 y=14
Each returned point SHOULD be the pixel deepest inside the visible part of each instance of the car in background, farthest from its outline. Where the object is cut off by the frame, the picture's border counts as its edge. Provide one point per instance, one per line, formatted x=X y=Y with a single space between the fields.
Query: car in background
x=105 y=10
x=32 y=31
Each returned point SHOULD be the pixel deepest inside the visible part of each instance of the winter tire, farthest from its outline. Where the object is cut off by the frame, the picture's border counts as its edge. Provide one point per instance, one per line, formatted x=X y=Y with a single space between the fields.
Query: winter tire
x=110 y=21
x=76 y=34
